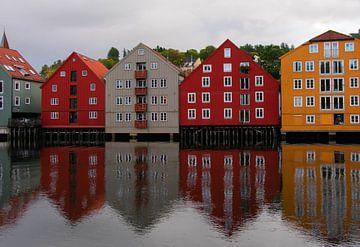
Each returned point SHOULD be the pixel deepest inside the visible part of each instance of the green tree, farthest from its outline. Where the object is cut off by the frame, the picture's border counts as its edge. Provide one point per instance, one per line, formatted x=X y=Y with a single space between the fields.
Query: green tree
x=113 y=54
x=206 y=52
x=47 y=71
x=174 y=56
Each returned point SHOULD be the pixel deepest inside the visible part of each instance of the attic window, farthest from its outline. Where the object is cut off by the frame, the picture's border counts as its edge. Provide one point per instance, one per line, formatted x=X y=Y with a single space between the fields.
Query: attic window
x=18 y=66
x=14 y=58
x=21 y=60
x=32 y=72
x=84 y=73
x=141 y=52
x=7 y=57
x=62 y=73
x=24 y=72
x=9 y=68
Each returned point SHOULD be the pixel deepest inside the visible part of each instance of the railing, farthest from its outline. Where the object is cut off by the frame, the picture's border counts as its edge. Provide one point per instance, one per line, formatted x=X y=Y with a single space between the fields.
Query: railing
x=140 y=107
x=141 y=124
x=140 y=74
x=140 y=91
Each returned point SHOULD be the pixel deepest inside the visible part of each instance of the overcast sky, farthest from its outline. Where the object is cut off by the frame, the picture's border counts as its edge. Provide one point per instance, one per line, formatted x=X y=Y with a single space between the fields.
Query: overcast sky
x=47 y=30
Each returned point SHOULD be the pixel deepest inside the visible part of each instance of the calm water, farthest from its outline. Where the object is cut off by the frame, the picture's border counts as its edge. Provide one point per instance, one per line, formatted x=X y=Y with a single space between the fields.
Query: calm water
x=154 y=194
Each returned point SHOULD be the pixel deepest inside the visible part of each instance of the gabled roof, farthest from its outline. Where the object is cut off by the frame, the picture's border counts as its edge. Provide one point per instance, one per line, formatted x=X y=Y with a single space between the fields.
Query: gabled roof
x=331 y=36
x=94 y=65
x=16 y=66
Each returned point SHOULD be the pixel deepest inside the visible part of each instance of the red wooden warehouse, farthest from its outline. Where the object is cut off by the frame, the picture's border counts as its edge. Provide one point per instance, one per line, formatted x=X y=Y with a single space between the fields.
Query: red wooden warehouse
x=74 y=96
x=229 y=89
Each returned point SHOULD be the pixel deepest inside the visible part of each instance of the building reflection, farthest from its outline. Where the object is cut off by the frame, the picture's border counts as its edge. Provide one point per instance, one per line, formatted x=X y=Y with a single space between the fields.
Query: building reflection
x=142 y=181
x=19 y=182
x=73 y=178
x=321 y=190
x=230 y=186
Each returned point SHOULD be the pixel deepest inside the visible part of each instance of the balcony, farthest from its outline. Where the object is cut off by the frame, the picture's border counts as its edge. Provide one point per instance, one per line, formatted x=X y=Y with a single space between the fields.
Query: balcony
x=140 y=107
x=140 y=91
x=140 y=74
x=141 y=124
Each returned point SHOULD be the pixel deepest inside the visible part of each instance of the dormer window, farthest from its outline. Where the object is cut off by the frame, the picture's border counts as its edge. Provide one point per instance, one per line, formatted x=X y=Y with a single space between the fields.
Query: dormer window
x=21 y=60
x=14 y=58
x=7 y=57
x=32 y=72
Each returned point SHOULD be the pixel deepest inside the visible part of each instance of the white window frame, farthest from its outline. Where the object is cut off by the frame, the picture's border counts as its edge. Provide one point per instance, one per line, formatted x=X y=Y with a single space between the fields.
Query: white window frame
x=93 y=101
x=54 y=115
x=62 y=73
x=298 y=101
x=352 y=81
x=127 y=84
x=163 y=117
x=355 y=117
x=227 y=81
x=54 y=88
x=205 y=81
x=206 y=116
x=343 y=103
x=54 y=101
x=119 y=100
x=356 y=63
x=141 y=52
x=244 y=99
x=259 y=81
x=297 y=66
x=309 y=66
x=313 y=48
x=341 y=62
x=119 y=117
x=259 y=96
x=245 y=81
x=154 y=100
x=354 y=98
x=191 y=113
x=297 y=84
x=154 y=117
x=27 y=85
x=327 y=97
x=154 y=83
x=207 y=68
x=242 y=112
x=329 y=88
x=17 y=86
x=119 y=84
x=227 y=113
x=127 y=100
x=84 y=73
x=127 y=66
x=92 y=87
x=163 y=83
x=259 y=113
x=227 y=97
x=191 y=98
x=27 y=101
x=154 y=65
x=92 y=114
x=310 y=119
x=227 y=67
x=1 y=102
x=17 y=101
x=310 y=99
x=1 y=86
x=325 y=62
x=227 y=52
x=312 y=80
x=163 y=100
x=203 y=97
x=349 y=46
x=127 y=117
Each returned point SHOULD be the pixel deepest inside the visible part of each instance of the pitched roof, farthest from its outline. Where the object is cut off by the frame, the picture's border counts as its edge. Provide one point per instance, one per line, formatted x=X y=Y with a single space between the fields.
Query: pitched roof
x=16 y=65
x=4 y=42
x=97 y=67
x=331 y=36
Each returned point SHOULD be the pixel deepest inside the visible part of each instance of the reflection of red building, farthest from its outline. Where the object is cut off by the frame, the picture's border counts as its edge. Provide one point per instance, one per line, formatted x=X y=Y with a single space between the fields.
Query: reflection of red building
x=73 y=177
x=230 y=185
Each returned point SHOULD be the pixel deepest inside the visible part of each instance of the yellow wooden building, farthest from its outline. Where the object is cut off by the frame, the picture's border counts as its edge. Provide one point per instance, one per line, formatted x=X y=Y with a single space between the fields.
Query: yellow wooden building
x=320 y=85
x=321 y=190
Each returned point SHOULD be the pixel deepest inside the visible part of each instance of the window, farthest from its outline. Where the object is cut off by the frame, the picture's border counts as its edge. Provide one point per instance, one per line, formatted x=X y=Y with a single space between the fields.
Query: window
x=244 y=83
x=1 y=102
x=227 y=67
x=259 y=80
x=27 y=85
x=17 y=86
x=259 y=96
x=84 y=73
x=27 y=100
x=310 y=155
x=92 y=115
x=119 y=117
x=62 y=73
x=349 y=46
x=324 y=67
x=73 y=76
x=227 y=97
x=338 y=102
x=335 y=49
x=244 y=67
x=310 y=101
x=54 y=115
x=338 y=84
x=325 y=102
x=73 y=103
x=244 y=116
x=127 y=117
x=313 y=48
x=163 y=116
x=259 y=112
x=297 y=101
x=127 y=100
x=191 y=98
x=153 y=65
x=154 y=100
x=127 y=84
x=309 y=66
x=227 y=113
x=227 y=52
x=191 y=113
x=163 y=100
x=53 y=88
x=119 y=100
x=205 y=97
x=353 y=64
x=310 y=119
x=92 y=101
x=92 y=87
x=327 y=51
x=297 y=84
x=163 y=83
x=354 y=100
x=119 y=84
x=297 y=66
x=354 y=118
x=206 y=113
x=244 y=99
x=355 y=157
x=154 y=116
x=1 y=86
x=54 y=101
x=153 y=83
x=141 y=52
x=325 y=85
x=32 y=72
x=127 y=66
x=205 y=81
x=338 y=67
x=207 y=68
x=354 y=82
x=227 y=81
x=17 y=101
x=73 y=90
x=310 y=84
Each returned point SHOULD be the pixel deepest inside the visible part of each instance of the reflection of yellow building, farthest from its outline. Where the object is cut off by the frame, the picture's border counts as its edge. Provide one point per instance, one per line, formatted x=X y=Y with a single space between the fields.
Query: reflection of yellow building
x=321 y=189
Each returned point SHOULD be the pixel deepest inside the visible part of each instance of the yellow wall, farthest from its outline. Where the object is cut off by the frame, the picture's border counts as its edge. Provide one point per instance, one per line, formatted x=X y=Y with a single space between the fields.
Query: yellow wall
x=294 y=118
x=330 y=204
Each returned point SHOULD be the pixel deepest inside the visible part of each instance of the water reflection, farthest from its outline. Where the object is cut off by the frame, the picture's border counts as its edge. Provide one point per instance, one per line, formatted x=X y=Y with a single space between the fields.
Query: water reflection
x=19 y=182
x=73 y=178
x=230 y=186
x=321 y=190
x=142 y=181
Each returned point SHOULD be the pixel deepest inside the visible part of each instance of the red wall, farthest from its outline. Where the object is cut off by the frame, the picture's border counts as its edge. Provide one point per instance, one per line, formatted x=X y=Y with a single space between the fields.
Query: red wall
x=193 y=83
x=83 y=94
x=252 y=187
